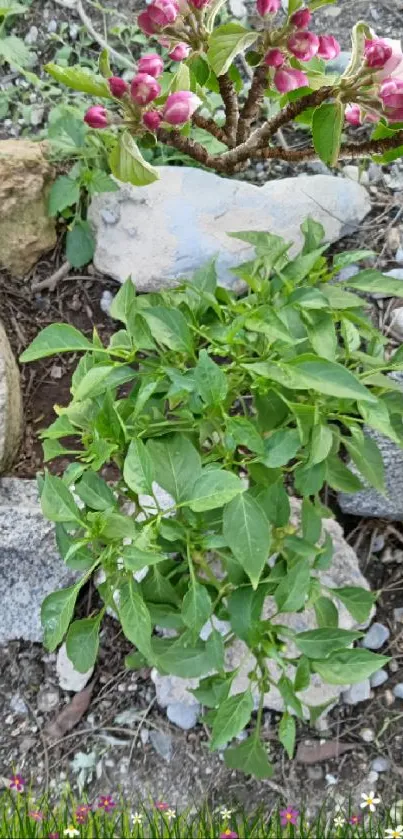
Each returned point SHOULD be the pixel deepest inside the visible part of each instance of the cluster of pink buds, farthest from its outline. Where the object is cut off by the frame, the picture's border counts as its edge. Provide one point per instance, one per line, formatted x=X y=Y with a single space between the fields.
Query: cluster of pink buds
x=383 y=58
x=300 y=44
x=158 y=15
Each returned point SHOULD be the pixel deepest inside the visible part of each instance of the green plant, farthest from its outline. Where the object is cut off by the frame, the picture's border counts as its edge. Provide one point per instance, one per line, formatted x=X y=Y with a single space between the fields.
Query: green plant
x=13 y=50
x=228 y=403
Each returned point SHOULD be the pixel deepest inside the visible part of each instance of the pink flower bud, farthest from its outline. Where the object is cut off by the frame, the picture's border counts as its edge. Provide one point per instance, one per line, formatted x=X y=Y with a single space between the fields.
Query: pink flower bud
x=144 y=89
x=163 y=12
x=304 y=45
x=152 y=64
x=353 y=114
x=377 y=53
x=274 y=58
x=267 y=7
x=179 y=52
x=393 y=66
x=180 y=106
x=199 y=4
x=146 y=24
x=301 y=19
x=391 y=95
x=286 y=79
x=329 y=48
x=152 y=120
x=97 y=117
x=118 y=87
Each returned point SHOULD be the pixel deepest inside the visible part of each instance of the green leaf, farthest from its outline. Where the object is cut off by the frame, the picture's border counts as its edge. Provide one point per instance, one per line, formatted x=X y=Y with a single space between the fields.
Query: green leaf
x=80 y=244
x=210 y=380
x=327 y=126
x=65 y=192
x=366 y=455
x=340 y=477
x=250 y=757
x=322 y=334
x=82 y=643
x=176 y=465
x=138 y=468
x=169 y=328
x=313 y=233
x=135 y=558
x=104 y=64
x=328 y=377
x=244 y=606
x=321 y=443
x=197 y=606
x=15 y=52
x=377 y=416
x=247 y=532
x=54 y=339
x=311 y=522
x=303 y=674
x=320 y=643
x=124 y=302
x=326 y=612
x=347 y=667
x=287 y=691
x=214 y=489
x=245 y=433
x=57 y=502
x=281 y=447
x=56 y=613
x=287 y=732
x=275 y=503
x=101 y=378
x=128 y=164
x=231 y=718
x=225 y=43
x=291 y=593
x=372 y=281
x=308 y=480
x=101 y=182
x=79 y=78
x=358 y=601
x=186 y=662
x=215 y=651
x=135 y=618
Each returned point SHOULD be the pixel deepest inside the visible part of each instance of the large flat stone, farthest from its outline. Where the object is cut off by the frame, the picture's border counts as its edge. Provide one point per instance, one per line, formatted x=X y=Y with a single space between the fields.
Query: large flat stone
x=30 y=564
x=163 y=232
x=10 y=404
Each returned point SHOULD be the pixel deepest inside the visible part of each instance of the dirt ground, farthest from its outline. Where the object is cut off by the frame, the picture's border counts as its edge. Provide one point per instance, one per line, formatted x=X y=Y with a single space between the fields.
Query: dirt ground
x=107 y=751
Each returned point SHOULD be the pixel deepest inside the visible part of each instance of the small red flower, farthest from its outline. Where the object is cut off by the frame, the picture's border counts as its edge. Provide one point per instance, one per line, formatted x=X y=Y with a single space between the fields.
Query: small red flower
x=36 y=815
x=17 y=782
x=106 y=803
x=81 y=813
x=354 y=819
x=161 y=806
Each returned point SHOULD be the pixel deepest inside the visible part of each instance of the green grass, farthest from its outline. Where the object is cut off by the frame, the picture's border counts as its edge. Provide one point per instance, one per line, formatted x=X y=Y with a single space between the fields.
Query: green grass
x=26 y=817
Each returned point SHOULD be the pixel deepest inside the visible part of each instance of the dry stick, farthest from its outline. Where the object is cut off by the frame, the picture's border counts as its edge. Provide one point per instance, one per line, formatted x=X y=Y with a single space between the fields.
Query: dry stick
x=230 y=100
x=210 y=126
x=52 y=281
x=347 y=151
x=253 y=102
x=187 y=146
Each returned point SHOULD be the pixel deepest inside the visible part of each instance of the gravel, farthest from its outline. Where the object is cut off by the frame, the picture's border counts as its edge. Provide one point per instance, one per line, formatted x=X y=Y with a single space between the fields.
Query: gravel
x=357 y=693
x=376 y=636
x=367 y=734
x=182 y=715
x=381 y=764
x=162 y=744
x=379 y=678
x=398 y=690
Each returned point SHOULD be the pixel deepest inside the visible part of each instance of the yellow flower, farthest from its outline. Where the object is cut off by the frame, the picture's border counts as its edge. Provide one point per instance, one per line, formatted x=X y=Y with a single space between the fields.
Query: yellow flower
x=369 y=801
x=394 y=832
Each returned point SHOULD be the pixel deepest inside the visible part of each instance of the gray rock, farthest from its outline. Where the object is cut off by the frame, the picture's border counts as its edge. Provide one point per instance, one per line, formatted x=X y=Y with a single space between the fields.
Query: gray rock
x=48 y=699
x=10 y=404
x=367 y=734
x=348 y=272
x=17 y=704
x=52 y=26
x=375 y=173
x=69 y=677
x=376 y=636
x=169 y=229
x=162 y=743
x=396 y=322
x=380 y=764
x=379 y=678
x=398 y=690
x=399 y=256
x=31 y=567
x=356 y=174
x=398 y=614
x=238 y=8
x=315 y=773
x=359 y=692
x=32 y=36
x=183 y=715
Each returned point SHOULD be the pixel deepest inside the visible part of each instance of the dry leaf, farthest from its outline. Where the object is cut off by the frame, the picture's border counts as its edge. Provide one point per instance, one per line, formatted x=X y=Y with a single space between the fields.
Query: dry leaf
x=70 y=715
x=317 y=752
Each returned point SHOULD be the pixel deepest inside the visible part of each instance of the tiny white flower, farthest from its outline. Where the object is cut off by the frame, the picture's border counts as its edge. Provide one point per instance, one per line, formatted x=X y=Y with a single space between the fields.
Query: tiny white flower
x=170 y=814
x=225 y=813
x=369 y=801
x=339 y=821
x=394 y=832
x=71 y=832
x=137 y=818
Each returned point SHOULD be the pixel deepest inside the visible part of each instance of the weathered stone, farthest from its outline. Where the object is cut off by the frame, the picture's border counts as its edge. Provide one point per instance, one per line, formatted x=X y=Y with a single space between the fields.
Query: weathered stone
x=165 y=231
x=380 y=764
x=69 y=677
x=359 y=692
x=376 y=636
x=183 y=715
x=30 y=565
x=162 y=743
x=26 y=231
x=379 y=678
x=10 y=404
x=398 y=690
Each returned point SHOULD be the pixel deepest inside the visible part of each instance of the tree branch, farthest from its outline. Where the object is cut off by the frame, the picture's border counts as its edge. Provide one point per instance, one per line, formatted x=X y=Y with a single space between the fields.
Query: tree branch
x=188 y=146
x=348 y=151
x=230 y=100
x=210 y=126
x=253 y=102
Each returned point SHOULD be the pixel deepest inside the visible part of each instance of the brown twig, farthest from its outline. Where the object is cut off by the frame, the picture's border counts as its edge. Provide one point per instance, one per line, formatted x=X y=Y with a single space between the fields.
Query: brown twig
x=188 y=146
x=52 y=281
x=253 y=102
x=210 y=126
x=230 y=100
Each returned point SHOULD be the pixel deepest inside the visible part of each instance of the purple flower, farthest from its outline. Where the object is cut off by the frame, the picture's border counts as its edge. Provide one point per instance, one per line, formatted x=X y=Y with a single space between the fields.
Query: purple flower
x=36 y=815
x=82 y=811
x=17 y=782
x=106 y=803
x=354 y=819
x=288 y=816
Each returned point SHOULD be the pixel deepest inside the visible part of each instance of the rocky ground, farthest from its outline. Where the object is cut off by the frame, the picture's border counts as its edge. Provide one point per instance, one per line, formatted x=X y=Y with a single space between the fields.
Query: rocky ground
x=116 y=736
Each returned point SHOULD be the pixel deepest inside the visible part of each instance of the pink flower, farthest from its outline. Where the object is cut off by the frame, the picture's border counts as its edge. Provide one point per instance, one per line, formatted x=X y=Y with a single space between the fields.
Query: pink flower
x=144 y=89
x=118 y=87
x=288 y=816
x=329 y=48
x=267 y=7
x=274 y=58
x=152 y=64
x=163 y=12
x=17 y=782
x=393 y=66
x=152 y=120
x=377 y=53
x=146 y=24
x=179 y=52
x=354 y=819
x=106 y=803
x=353 y=114
x=81 y=813
x=36 y=815
x=228 y=834
x=286 y=79
x=97 y=117
x=161 y=806
x=391 y=95
x=301 y=19
x=180 y=106
x=53 y=836
x=199 y=4
x=304 y=45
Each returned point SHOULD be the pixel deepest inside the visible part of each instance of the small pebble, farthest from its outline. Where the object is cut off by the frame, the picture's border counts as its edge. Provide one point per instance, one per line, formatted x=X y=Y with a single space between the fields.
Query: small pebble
x=398 y=614
x=393 y=666
x=32 y=36
x=315 y=773
x=367 y=734
x=371 y=779
x=106 y=301
x=144 y=735
x=397 y=322
x=377 y=634
x=389 y=698
x=377 y=679
x=348 y=272
x=398 y=691
x=380 y=764
x=162 y=743
x=73 y=31
x=359 y=692
x=52 y=26
x=182 y=715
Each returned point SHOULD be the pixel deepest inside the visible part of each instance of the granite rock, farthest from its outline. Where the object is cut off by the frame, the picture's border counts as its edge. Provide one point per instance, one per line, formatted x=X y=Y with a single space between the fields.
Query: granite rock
x=11 y=416
x=31 y=567
x=163 y=232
